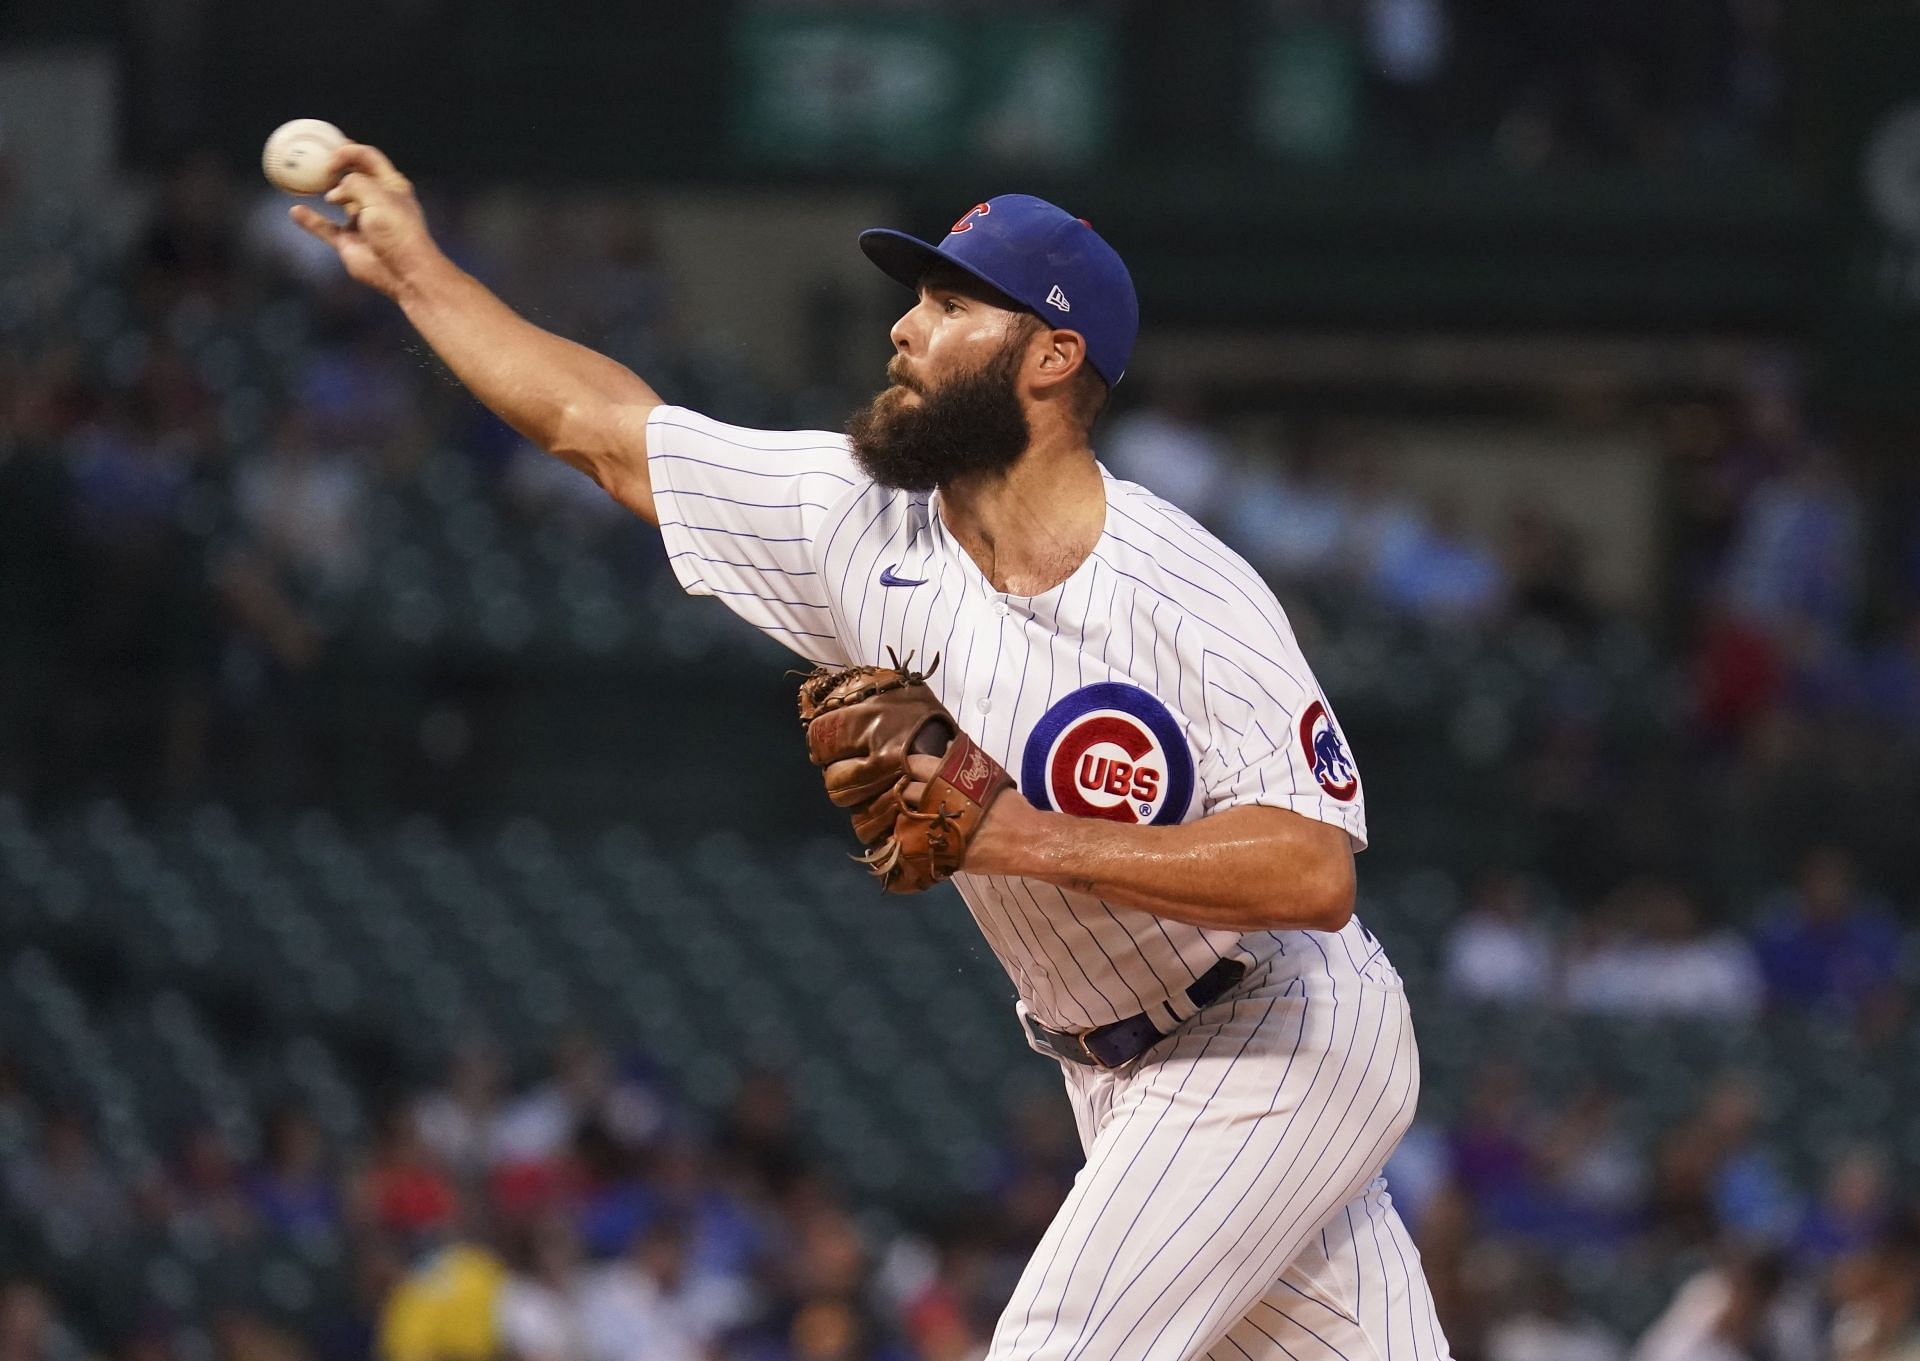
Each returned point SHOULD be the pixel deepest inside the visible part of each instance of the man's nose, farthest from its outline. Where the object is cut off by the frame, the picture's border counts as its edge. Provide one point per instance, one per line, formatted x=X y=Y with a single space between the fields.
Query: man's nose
x=902 y=333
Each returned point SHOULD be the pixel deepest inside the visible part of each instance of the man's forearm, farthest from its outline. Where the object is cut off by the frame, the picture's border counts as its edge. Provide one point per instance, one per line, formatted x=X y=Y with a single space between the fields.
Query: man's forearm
x=1248 y=869
x=576 y=404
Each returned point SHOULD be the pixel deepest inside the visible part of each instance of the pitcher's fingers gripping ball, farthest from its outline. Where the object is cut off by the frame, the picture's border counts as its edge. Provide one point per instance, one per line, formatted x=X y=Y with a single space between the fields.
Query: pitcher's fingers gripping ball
x=862 y=723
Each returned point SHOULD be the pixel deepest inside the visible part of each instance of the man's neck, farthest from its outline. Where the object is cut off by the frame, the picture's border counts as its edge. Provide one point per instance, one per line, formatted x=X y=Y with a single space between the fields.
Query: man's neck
x=1029 y=528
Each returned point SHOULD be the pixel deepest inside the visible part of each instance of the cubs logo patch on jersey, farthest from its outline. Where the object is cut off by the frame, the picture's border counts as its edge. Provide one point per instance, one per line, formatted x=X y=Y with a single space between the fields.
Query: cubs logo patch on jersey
x=1109 y=751
x=1332 y=768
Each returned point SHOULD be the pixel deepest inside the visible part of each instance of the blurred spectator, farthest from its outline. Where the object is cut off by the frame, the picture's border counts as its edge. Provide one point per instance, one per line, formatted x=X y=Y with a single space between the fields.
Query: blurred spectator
x=205 y=1190
x=760 y=1133
x=615 y=1201
x=1795 y=561
x=460 y=1121
x=1715 y=1172
x=1543 y=1325
x=404 y=1188
x=1491 y=1159
x=1442 y=573
x=1568 y=1177
x=1288 y=517
x=824 y=1254
x=1739 y=673
x=1168 y=447
x=1876 y=1314
x=1498 y=950
x=1740 y=1311
x=729 y=1233
x=611 y=1201
x=539 y=1306
x=951 y=1317
x=291 y=1189
x=539 y=1126
x=1592 y=1172
x=65 y=1184
x=652 y=1305
x=1854 y=1208
x=1827 y=944
x=447 y=1308
x=1654 y=957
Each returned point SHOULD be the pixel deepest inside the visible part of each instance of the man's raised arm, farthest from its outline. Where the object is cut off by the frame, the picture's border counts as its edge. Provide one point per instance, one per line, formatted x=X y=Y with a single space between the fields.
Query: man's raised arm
x=576 y=404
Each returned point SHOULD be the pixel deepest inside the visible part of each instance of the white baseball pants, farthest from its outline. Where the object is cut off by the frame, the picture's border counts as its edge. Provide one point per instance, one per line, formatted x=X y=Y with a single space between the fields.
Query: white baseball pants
x=1232 y=1207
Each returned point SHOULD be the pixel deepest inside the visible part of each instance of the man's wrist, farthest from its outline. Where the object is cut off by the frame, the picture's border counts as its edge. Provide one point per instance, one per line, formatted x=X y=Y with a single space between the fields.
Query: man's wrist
x=426 y=281
x=1014 y=838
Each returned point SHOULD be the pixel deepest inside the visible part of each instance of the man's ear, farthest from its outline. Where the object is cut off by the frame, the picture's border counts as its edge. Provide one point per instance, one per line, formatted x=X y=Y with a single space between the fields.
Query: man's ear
x=1062 y=355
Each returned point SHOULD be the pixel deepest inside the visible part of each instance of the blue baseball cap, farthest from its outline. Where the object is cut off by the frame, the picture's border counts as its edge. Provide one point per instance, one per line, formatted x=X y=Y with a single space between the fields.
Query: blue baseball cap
x=1044 y=258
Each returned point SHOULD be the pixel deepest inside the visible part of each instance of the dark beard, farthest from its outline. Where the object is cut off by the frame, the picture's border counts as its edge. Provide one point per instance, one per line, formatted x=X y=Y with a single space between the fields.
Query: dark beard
x=968 y=426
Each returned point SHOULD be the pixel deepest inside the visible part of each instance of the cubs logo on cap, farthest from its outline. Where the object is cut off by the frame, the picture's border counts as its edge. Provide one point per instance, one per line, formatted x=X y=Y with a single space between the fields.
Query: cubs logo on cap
x=1109 y=751
x=1320 y=743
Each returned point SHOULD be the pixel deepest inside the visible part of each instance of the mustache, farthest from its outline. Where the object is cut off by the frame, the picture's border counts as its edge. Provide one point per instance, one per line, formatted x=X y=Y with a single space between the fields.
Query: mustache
x=897 y=375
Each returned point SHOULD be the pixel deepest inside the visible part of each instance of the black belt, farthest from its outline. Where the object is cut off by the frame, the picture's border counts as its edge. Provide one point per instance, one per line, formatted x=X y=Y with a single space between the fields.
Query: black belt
x=1120 y=1043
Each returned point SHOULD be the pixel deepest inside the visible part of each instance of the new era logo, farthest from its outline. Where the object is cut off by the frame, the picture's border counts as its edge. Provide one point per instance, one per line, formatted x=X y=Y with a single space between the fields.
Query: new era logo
x=1056 y=298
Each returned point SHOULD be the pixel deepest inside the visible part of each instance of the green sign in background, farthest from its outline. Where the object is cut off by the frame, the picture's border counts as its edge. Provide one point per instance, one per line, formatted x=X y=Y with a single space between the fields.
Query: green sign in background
x=877 y=90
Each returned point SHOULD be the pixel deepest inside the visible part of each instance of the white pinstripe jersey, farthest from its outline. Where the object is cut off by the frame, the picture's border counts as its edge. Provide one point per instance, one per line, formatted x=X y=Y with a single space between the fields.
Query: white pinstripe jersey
x=1159 y=683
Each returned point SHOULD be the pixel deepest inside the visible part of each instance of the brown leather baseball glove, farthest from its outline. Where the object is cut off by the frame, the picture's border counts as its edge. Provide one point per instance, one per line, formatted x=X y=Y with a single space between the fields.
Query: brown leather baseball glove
x=862 y=723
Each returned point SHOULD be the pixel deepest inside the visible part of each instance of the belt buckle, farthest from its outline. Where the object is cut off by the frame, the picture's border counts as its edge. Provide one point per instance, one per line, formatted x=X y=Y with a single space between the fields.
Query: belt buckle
x=1082 y=1038
x=1084 y=1041
x=1070 y=1045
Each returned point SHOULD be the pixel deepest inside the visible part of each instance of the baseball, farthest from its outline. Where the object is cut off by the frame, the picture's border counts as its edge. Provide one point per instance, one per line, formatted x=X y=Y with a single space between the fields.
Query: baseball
x=295 y=157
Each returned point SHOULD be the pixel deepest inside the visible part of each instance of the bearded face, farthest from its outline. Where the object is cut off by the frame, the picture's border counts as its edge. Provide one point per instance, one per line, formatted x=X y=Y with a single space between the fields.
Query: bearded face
x=967 y=425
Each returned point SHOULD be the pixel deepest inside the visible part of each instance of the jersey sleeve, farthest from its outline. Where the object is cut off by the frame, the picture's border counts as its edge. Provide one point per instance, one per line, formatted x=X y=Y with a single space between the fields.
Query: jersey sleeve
x=1273 y=738
x=740 y=510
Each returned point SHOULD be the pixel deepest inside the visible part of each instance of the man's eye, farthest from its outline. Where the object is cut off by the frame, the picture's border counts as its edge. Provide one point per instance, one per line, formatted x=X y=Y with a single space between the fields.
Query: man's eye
x=951 y=306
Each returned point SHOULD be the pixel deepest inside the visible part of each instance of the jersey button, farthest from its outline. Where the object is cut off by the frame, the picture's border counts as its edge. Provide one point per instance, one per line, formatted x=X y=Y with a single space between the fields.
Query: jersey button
x=984 y=704
x=1000 y=608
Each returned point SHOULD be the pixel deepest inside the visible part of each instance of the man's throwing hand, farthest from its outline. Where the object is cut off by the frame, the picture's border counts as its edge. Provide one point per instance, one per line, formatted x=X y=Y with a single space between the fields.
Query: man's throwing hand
x=384 y=240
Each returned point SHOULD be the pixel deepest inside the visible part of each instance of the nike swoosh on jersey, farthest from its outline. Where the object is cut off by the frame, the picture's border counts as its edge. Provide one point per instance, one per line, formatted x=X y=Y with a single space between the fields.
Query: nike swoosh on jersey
x=887 y=578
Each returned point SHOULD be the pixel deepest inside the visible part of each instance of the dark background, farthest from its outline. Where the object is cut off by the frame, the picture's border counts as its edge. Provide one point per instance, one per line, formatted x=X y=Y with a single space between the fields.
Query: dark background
x=407 y=895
